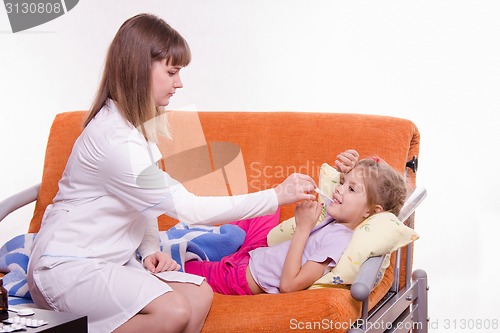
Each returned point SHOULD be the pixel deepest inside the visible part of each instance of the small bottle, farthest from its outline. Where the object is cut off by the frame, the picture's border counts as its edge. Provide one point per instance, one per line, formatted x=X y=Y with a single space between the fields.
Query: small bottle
x=4 y=302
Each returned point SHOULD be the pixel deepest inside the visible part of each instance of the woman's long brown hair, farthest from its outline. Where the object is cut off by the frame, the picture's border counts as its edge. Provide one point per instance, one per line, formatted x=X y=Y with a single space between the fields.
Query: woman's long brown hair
x=140 y=41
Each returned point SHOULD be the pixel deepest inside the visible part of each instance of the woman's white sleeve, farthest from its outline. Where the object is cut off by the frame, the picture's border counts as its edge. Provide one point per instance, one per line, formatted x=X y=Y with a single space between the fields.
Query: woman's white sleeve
x=131 y=175
x=150 y=241
x=178 y=203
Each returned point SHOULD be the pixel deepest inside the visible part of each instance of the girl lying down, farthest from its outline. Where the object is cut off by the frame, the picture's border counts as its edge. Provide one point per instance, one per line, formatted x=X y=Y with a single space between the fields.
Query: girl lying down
x=371 y=187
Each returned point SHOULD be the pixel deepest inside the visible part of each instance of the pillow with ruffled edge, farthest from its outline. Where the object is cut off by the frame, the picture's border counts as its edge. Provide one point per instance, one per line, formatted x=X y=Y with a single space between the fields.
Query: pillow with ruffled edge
x=380 y=234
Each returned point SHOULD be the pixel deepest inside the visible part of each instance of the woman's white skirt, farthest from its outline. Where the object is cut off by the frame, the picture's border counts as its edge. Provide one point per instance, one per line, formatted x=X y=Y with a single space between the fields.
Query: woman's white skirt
x=108 y=294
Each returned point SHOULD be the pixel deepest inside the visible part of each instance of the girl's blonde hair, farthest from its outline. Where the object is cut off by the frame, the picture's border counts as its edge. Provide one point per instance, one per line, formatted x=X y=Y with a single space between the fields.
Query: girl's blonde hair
x=140 y=41
x=384 y=186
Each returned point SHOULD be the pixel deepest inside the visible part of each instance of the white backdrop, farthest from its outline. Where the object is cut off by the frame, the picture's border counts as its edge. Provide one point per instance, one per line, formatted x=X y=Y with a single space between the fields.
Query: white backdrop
x=436 y=63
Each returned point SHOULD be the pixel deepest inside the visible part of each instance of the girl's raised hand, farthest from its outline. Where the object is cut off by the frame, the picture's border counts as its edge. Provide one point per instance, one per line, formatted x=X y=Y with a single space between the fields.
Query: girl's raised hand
x=347 y=160
x=307 y=214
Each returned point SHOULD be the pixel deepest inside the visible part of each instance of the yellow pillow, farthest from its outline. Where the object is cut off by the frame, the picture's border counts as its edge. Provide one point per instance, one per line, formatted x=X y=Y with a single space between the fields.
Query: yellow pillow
x=380 y=234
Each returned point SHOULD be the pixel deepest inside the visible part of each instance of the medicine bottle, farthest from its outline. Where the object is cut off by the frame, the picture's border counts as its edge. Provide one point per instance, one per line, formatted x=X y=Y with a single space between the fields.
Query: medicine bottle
x=4 y=301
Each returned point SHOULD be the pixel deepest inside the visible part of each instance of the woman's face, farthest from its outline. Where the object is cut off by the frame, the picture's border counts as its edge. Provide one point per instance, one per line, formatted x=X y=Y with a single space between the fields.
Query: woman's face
x=165 y=79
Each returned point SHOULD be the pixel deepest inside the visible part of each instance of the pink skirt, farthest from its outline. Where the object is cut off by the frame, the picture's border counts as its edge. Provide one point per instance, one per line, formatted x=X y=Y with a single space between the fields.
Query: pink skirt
x=228 y=276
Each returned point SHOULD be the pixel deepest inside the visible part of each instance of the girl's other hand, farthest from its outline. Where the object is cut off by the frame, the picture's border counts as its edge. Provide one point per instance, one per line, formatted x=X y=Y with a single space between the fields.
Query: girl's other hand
x=347 y=160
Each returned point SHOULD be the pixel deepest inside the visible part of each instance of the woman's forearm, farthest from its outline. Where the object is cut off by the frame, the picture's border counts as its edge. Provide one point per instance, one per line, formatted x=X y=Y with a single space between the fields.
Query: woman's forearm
x=150 y=242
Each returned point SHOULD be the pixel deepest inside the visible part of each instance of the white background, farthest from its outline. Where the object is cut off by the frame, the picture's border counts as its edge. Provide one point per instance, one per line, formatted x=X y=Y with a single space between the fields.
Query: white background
x=436 y=63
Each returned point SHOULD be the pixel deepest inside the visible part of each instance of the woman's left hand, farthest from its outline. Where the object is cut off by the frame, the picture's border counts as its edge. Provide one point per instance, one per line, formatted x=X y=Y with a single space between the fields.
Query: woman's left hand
x=295 y=188
x=160 y=262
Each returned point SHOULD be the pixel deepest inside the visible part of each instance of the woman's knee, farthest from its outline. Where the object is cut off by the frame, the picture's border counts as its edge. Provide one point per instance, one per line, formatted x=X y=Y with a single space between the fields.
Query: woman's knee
x=200 y=298
x=207 y=295
x=172 y=311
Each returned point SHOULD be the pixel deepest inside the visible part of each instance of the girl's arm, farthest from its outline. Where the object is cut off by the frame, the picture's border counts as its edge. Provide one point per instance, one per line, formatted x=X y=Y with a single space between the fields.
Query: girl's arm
x=296 y=276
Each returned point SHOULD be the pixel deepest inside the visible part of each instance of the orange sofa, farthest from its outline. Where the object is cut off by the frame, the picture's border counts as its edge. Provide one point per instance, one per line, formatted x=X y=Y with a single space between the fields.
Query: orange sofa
x=268 y=146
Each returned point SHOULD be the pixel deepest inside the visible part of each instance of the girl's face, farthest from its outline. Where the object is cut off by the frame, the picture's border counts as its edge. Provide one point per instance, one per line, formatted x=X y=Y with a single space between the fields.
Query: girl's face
x=165 y=79
x=350 y=203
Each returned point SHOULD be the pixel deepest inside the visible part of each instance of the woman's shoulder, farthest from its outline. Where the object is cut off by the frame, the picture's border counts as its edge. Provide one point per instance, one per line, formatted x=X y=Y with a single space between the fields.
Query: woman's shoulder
x=109 y=117
x=110 y=137
x=109 y=126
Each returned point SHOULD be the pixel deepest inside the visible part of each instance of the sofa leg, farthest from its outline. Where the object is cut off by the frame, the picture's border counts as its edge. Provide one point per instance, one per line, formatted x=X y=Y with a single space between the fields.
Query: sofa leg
x=420 y=315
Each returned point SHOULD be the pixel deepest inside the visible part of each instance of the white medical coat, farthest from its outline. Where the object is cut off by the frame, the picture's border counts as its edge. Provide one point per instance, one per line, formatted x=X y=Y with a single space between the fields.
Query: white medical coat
x=109 y=197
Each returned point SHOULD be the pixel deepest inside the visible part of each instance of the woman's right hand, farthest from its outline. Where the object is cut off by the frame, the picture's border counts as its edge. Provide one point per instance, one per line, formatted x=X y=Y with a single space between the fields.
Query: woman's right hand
x=295 y=188
x=160 y=262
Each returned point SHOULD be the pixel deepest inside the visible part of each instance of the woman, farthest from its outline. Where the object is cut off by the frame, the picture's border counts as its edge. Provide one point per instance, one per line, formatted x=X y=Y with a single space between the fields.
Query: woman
x=112 y=191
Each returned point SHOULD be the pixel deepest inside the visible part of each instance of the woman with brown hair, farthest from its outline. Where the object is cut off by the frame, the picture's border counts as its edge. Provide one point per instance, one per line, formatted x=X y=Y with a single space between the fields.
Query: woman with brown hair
x=112 y=191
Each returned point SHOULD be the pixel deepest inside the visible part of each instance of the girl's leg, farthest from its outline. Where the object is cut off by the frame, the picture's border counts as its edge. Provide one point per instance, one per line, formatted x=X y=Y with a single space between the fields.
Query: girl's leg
x=256 y=230
x=228 y=276
x=182 y=310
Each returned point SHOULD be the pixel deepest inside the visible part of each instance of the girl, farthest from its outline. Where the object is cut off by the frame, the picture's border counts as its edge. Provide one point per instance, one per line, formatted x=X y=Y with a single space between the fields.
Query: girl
x=112 y=191
x=371 y=187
